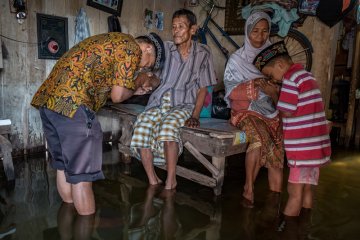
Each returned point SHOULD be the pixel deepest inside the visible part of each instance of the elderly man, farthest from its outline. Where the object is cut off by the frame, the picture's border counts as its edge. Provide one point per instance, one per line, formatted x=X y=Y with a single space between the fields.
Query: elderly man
x=97 y=68
x=187 y=71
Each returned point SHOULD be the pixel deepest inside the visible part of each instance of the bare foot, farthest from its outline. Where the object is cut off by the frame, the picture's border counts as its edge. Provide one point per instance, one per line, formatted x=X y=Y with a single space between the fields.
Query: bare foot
x=158 y=181
x=246 y=202
x=247 y=199
x=170 y=185
x=248 y=194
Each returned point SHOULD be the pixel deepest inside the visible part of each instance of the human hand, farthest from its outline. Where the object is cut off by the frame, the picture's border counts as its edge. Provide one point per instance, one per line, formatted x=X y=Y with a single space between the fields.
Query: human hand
x=268 y=87
x=259 y=81
x=192 y=122
x=146 y=82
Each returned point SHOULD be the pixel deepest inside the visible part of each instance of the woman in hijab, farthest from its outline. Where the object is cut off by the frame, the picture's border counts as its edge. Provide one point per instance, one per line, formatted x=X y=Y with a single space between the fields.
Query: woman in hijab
x=252 y=110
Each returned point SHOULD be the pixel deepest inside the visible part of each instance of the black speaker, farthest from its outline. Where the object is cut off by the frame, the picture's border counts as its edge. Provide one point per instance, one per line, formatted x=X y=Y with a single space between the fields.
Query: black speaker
x=52 y=32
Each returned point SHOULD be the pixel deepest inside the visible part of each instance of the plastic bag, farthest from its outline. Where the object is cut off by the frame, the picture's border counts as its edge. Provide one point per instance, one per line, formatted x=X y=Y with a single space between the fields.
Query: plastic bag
x=219 y=106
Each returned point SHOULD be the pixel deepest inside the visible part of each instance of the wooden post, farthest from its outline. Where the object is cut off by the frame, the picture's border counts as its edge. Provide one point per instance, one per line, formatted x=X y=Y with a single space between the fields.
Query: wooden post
x=1 y=56
x=354 y=82
x=219 y=163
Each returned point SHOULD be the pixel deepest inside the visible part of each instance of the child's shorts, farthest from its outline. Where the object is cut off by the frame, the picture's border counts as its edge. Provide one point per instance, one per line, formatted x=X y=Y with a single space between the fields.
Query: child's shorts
x=304 y=175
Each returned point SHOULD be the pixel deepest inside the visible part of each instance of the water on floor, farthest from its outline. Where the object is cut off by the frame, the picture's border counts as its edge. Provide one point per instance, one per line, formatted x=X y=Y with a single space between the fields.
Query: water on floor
x=128 y=209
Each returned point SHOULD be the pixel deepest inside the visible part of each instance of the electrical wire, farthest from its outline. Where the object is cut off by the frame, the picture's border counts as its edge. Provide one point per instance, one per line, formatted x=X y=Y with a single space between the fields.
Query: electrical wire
x=12 y=39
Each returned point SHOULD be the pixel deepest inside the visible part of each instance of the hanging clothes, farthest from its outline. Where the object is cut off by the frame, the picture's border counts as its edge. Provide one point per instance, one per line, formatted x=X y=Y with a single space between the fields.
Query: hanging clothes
x=82 y=29
x=280 y=16
x=331 y=12
x=114 y=24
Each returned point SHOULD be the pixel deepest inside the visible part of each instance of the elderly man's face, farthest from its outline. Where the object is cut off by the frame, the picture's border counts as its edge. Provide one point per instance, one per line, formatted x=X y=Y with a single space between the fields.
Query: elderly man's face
x=181 y=30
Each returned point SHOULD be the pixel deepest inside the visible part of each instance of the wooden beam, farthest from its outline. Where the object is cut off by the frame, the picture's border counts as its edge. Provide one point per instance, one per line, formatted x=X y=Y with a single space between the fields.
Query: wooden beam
x=357 y=128
x=354 y=82
x=213 y=170
x=219 y=163
x=1 y=56
x=193 y=176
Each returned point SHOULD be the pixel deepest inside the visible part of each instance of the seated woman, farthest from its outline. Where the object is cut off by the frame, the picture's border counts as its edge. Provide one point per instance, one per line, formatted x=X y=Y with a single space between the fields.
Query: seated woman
x=252 y=110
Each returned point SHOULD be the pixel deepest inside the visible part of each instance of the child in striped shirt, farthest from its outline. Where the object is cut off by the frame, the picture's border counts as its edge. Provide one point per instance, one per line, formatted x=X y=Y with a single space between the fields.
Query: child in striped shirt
x=305 y=130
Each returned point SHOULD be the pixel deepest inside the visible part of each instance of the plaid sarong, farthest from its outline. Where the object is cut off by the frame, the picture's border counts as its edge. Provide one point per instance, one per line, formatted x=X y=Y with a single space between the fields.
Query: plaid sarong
x=157 y=125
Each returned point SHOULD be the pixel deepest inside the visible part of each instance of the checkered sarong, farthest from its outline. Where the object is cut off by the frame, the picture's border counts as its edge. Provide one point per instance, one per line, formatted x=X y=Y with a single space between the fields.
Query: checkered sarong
x=157 y=125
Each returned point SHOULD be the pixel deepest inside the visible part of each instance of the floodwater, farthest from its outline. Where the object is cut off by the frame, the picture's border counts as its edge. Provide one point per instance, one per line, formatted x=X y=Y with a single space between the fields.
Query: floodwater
x=128 y=209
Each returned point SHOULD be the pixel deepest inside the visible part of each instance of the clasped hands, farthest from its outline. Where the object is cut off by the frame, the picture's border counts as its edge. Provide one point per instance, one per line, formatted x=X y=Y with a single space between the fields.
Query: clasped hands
x=267 y=86
x=145 y=83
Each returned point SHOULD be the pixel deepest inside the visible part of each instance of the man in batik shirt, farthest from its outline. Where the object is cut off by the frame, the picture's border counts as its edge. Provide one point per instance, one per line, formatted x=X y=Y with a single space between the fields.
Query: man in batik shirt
x=82 y=80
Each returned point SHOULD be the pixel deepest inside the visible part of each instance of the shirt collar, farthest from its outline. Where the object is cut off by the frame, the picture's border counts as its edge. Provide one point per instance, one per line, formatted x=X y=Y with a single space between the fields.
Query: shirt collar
x=293 y=68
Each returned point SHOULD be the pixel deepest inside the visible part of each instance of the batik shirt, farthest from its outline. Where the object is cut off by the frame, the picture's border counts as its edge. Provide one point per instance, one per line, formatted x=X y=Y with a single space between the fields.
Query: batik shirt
x=306 y=135
x=86 y=74
x=184 y=78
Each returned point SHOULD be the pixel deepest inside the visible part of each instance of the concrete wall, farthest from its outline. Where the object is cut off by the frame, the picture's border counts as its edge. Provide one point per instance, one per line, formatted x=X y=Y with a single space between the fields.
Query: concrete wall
x=23 y=72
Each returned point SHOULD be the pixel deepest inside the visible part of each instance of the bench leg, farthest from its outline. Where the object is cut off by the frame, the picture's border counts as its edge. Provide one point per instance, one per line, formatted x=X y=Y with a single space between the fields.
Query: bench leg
x=219 y=163
x=6 y=149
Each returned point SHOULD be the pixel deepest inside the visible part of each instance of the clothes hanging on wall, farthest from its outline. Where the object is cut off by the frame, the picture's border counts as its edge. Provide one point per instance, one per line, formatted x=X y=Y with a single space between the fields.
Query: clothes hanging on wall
x=114 y=24
x=331 y=12
x=348 y=44
x=82 y=29
x=280 y=16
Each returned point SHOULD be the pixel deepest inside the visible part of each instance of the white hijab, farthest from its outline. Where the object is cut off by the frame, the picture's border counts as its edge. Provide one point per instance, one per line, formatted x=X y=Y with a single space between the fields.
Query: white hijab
x=239 y=68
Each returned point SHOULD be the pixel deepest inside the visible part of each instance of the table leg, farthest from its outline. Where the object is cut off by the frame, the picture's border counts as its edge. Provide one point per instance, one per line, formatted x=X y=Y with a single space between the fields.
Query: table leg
x=219 y=163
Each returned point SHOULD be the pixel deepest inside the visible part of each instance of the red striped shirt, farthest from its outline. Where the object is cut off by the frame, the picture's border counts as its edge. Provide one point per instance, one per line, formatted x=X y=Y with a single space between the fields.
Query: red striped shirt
x=306 y=136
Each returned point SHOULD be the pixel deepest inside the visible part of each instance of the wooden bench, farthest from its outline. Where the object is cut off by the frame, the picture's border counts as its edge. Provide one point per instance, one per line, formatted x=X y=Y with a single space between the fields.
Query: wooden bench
x=215 y=138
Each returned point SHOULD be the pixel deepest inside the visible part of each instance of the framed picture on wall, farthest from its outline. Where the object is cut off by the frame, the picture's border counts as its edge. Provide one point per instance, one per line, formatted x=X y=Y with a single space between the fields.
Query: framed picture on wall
x=234 y=23
x=52 y=33
x=110 y=6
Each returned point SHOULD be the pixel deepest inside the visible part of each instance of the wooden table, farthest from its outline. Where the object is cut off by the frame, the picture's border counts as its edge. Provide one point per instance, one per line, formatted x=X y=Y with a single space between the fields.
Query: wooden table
x=215 y=138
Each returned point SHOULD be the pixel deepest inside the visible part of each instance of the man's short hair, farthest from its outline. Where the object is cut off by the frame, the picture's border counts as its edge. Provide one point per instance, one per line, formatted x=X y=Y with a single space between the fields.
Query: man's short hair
x=188 y=14
x=157 y=47
x=144 y=39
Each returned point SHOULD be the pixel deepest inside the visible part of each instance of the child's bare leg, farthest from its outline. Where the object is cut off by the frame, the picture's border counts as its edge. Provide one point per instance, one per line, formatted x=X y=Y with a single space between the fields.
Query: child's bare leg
x=275 y=178
x=307 y=200
x=147 y=162
x=171 y=156
x=252 y=169
x=294 y=203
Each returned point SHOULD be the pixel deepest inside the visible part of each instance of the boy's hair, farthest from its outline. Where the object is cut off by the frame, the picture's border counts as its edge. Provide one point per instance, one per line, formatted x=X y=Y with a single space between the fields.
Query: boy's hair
x=188 y=14
x=270 y=54
x=284 y=57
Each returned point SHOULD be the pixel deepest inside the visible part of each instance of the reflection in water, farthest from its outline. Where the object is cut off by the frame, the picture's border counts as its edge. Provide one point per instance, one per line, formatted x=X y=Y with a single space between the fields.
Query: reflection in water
x=296 y=228
x=74 y=226
x=145 y=217
x=7 y=227
x=155 y=218
x=129 y=209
